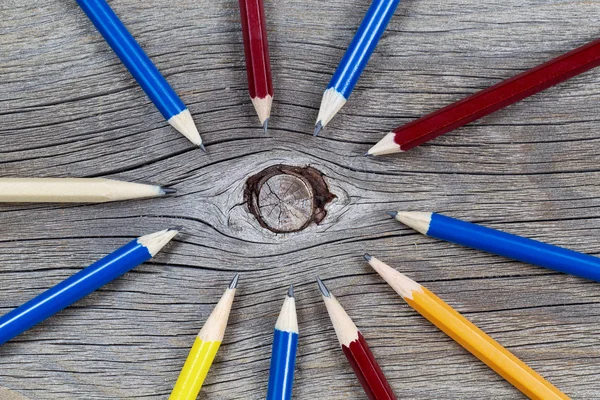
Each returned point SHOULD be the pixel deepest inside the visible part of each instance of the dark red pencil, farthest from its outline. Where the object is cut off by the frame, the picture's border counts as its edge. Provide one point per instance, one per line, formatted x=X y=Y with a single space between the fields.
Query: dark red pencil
x=356 y=350
x=489 y=100
x=258 y=66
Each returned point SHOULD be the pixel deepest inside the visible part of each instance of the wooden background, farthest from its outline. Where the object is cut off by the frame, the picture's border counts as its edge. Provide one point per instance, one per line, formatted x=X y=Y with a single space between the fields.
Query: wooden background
x=69 y=108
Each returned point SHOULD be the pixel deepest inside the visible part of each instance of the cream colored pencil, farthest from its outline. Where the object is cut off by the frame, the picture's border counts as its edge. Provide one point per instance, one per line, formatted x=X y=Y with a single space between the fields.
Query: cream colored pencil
x=74 y=190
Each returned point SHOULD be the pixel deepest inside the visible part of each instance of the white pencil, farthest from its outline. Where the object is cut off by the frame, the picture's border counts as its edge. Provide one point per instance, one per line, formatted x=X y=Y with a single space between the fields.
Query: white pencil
x=74 y=190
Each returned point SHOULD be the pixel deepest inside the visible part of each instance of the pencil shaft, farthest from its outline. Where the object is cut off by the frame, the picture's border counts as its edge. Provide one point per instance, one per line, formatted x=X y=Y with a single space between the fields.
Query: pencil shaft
x=72 y=289
x=362 y=46
x=367 y=370
x=133 y=57
x=483 y=346
x=498 y=96
x=283 y=361
x=515 y=247
x=73 y=190
x=256 y=48
x=195 y=370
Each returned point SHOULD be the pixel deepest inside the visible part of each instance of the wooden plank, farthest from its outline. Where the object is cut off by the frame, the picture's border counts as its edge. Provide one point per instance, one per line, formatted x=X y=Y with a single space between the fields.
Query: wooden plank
x=70 y=109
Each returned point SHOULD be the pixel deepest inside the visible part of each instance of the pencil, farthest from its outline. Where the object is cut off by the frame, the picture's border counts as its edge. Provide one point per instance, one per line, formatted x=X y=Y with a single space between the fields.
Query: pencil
x=258 y=64
x=74 y=190
x=355 y=348
x=501 y=243
x=82 y=283
x=283 y=355
x=141 y=67
x=355 y=60
x=467 y=334
x=489 y=100
x=205 y=348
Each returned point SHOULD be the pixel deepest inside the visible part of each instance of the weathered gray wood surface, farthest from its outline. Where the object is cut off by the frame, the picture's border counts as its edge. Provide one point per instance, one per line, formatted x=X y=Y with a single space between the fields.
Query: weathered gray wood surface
x=69 y=108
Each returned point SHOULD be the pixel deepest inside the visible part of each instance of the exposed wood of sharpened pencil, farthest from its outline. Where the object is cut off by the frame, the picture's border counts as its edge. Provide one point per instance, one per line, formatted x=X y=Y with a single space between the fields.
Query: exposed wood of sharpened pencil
x=357 y=351
x=204 y=349
x=258 y=64
x=467 y=334
x=490 y=100
x=74 y=190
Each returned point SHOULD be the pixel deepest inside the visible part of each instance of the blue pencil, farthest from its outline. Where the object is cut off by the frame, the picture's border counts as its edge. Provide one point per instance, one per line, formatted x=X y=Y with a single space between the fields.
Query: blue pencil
x=355 y=60
x=504 y=244
x=141 y=67
x=283 y=356
x=82 y=283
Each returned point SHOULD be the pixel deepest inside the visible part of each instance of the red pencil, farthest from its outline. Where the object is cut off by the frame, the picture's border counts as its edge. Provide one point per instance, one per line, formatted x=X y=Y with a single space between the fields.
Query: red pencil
x=356 y=350
x=489 y=100
x=258 y=66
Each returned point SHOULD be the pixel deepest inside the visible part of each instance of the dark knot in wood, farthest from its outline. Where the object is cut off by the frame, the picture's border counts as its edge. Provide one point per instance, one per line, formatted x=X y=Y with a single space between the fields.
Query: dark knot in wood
x=285 y=198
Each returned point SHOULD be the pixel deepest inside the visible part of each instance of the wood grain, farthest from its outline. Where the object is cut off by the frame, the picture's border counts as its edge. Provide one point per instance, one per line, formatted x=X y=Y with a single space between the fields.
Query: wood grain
x=69 y=108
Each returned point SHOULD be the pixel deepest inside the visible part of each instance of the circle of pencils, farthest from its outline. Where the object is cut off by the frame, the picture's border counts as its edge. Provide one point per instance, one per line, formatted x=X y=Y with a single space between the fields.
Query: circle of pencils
x=74 y=190
x=501 y=243
x=141 y=67
x=83 y=283
x=258 y=64
x=355 y=60
x=283 y=355
x=356 y=350
x=205 y=348
x=465 y=333
x=489 y=100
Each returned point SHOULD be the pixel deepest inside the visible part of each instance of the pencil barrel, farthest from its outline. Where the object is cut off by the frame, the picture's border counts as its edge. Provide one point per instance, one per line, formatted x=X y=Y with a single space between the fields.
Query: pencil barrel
x=367 y=370
x=483 y=346
x=256 y=48
x=72 y=289
x=498 y=96
x=514 y=247
x=283 y=361
x=362 y=46
x=195 y=370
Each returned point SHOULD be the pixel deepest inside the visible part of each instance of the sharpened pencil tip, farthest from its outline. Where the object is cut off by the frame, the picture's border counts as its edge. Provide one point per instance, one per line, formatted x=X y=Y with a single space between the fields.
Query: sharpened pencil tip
x=367 y=256
x=201 y=145
x=367 y=154
x=266 y=125
x=392 y=213
x=318 y=128
x=177 y=228
x=324 y=291
x=234 y=281
x=168 y=190
x=290 y=292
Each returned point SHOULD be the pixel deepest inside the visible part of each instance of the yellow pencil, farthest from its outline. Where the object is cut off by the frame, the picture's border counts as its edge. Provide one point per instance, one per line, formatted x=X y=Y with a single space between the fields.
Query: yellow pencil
x=467 y=334
x=205 y=348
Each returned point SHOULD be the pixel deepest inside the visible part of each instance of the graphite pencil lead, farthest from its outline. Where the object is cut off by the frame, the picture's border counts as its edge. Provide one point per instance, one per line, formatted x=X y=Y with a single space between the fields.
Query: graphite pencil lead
x=318 y=128
x=324 y=291
x=201 y=145
x=290 y=292
x=234 y=281
x=392 y=213
x=168 y=190
x=367 y=256
x=177 y=228
x=266 y=125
